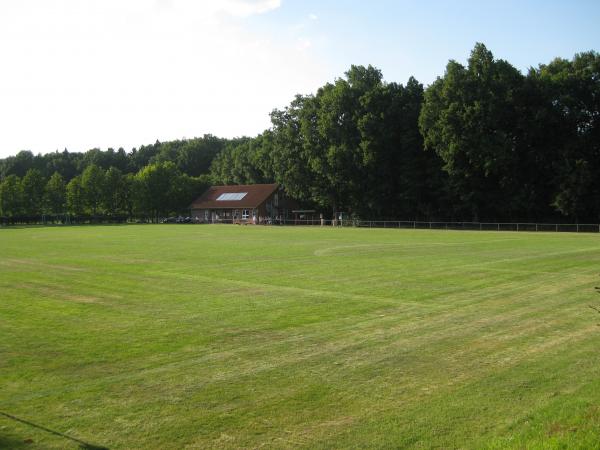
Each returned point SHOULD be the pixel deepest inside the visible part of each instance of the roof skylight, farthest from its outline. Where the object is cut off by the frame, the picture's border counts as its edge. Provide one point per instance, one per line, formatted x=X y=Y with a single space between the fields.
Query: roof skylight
x=229 y=196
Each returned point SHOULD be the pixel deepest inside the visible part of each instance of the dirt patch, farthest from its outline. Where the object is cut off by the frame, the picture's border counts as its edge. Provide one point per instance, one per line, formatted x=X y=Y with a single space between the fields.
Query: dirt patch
x=82 y=298
x=340 y=421
x=58 y=293
x=559 y=429
x=246 y=291
x=573 y=337
x=124 y=260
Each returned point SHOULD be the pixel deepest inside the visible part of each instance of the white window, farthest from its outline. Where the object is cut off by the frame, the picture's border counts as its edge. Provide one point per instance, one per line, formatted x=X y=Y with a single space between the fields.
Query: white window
x=245 y=213
x=231 y=196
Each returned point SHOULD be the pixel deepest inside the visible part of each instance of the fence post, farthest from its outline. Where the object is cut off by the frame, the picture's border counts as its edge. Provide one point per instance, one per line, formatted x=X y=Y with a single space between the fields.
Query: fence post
x=556 y=227
x=536 y=227
x=517 y=227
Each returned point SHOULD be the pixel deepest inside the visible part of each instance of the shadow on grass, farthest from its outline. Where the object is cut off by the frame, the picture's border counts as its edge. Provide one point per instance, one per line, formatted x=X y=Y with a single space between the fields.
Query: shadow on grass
x=14 y=443
x=6 y=442
x=596 y=307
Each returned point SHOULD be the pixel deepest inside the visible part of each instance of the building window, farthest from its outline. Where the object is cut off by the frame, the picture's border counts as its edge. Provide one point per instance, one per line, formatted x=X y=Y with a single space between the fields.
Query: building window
x=231 y=196
x=245 y=214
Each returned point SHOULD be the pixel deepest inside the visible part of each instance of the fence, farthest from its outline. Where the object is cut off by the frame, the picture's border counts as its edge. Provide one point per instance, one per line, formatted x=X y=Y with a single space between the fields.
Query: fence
x=62 y=219
x=479 y=226
x=405 y=224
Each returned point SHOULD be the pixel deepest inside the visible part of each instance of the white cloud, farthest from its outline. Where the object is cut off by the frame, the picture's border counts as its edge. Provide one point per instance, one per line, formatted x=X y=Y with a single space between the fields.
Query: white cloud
x=83 y=73
x=209 y=8
x=303 y=44
x=247 y=8
x=313 y=16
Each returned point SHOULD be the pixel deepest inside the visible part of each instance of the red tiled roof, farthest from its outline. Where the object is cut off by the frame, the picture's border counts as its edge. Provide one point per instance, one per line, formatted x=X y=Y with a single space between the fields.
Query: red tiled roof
x=256 y=194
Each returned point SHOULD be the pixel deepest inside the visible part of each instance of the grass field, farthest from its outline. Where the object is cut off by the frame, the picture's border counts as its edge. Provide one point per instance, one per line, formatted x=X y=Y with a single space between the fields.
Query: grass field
x=213 y=336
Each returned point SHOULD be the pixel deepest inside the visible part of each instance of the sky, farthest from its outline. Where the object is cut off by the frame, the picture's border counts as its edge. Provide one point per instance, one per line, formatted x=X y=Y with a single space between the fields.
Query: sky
x=80 y=74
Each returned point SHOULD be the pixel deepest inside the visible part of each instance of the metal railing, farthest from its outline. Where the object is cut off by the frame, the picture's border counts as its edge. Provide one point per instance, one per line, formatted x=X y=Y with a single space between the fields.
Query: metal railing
x=404 y=224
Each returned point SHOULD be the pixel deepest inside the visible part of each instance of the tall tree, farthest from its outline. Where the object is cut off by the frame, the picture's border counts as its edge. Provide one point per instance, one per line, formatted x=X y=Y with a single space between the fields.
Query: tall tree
x=244 y=161
x=114 y=193
x=33 y=185
x=93 y=185
x=75 y=197
x=469 y=119
x=130 y=191
x=572 y=89
x=156 y=189
x=289 y=159
x=355 y=145
x=18 y=165
x=11 y=196
x=317 y=141
x=55 y=194
x=65 y=163
x=195 y=156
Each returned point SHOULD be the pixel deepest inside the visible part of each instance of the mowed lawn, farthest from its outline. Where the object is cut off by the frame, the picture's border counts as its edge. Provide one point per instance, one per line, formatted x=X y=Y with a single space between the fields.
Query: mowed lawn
x=219 y=336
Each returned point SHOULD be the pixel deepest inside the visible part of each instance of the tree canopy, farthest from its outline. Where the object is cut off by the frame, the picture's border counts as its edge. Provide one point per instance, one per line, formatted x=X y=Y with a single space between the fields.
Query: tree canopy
x=482 y=142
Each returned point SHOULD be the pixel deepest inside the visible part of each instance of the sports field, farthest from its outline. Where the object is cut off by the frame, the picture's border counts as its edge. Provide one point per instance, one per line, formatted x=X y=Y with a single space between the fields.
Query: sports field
x=219 y=336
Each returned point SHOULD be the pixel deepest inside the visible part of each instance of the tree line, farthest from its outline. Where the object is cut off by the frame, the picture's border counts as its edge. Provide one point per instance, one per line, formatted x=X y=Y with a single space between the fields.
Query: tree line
x=482 y=142
x=150 y=182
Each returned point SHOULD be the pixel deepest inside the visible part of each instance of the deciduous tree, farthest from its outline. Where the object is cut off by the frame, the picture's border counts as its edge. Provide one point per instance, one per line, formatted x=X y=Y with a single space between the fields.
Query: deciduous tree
x=93 y=186
x=11 y=196
x=33 y=185
x=75 y=197
x=55 y=194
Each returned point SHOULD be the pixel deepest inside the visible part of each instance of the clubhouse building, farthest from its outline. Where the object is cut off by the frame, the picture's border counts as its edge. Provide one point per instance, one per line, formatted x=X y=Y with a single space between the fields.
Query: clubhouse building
x=242 y=204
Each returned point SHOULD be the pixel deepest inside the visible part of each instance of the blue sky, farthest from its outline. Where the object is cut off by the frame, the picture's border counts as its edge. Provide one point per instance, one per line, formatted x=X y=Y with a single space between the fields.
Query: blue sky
x=79 y=74
x=405 y=38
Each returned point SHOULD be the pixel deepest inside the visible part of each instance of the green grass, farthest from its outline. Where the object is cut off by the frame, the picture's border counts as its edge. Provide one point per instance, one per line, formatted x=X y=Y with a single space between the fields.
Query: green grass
x=227 y=336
